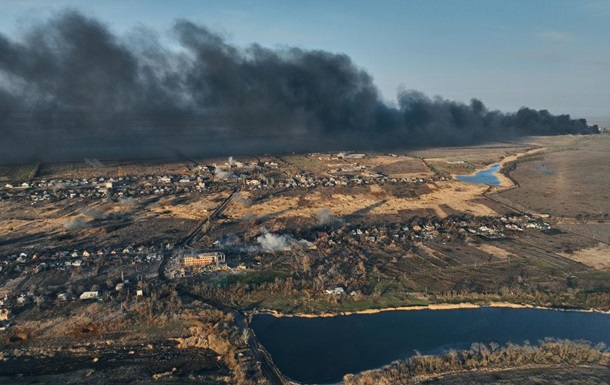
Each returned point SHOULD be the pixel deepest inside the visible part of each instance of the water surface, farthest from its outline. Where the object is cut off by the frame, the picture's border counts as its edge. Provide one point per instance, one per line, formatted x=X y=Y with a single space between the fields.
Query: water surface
x=322 y=350
x=483 y=177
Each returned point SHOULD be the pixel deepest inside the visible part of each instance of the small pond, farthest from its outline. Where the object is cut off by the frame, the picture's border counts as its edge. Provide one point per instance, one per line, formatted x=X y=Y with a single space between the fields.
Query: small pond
x=483 y=177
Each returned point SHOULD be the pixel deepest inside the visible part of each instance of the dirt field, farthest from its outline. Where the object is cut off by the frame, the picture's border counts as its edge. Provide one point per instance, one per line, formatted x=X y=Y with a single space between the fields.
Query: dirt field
x=598 y=230
x=101 y=343
x=101 y=223
x=110 y=169
x=597 y=256
x=393 y=166
x=571 y=183
x=442 y=199
x=398 y=166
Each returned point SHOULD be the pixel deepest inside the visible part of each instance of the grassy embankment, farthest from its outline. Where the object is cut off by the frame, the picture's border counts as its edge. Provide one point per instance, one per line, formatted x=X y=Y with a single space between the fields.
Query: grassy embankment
x=277 y=291
x=481 y=357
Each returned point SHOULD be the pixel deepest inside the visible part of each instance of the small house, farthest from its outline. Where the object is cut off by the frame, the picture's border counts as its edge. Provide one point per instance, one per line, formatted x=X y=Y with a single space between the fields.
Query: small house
x=4 y=313
x=63 y=296
x=90 y=295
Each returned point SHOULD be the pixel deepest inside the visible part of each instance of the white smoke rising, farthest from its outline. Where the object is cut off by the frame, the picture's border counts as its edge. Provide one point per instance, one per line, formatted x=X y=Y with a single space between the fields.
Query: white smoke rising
x=94 y=163
x=76 y=224
x=233 y=242
x=278 y=242
x=128 y=201
x=221 y=174
x=93 y=213
x=229 y=240
x=324 y=217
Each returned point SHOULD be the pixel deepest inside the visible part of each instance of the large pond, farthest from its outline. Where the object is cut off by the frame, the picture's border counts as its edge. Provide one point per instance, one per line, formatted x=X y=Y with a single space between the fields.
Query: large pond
x=322 y=350
x=483 y=177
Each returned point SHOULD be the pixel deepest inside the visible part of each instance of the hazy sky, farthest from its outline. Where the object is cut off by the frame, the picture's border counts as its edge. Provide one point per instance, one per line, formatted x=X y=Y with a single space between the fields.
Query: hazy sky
x=545 y=54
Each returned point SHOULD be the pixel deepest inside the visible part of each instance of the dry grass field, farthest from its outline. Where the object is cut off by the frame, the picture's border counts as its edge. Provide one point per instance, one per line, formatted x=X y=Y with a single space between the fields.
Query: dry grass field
x=571 y=183
x=441 y=198
x=103 y=223
x=89 y=168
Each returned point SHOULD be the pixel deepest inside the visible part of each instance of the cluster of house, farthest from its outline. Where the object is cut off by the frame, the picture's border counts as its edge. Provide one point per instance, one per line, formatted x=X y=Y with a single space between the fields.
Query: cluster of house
x=201 y=179
x=338 y=155
x=28 y=298
x=32 y=263
x=253 y=175
x=340 y=291
x=309 y=181
x=336 y=291
x=445 y=229
x=129 y=186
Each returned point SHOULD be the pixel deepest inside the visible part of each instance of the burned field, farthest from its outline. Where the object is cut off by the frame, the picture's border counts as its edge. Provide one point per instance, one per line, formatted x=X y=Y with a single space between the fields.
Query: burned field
x=144 y=341
x=91 y=226
x=310 y=233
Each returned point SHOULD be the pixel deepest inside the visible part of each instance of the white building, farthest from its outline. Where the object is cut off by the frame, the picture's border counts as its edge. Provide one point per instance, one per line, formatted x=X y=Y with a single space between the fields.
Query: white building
x=90 y=295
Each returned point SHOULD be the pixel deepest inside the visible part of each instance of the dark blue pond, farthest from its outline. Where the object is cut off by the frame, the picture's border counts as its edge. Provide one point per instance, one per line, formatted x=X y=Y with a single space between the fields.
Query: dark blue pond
x=483 y=177
x=322 y=350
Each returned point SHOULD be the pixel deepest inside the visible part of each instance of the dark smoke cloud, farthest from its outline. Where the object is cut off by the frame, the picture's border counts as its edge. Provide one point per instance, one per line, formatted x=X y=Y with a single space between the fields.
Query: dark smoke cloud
x=71 y=89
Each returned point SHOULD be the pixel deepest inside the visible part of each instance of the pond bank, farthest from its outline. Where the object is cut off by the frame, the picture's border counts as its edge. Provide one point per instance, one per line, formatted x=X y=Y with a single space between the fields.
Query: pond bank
x=334 y=346
x=487 y=176
x=439 y=306
x=504 y=181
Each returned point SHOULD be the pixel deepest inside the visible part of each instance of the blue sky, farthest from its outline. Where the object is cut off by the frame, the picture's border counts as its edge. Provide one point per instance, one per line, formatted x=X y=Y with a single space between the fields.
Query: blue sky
x=543 y=54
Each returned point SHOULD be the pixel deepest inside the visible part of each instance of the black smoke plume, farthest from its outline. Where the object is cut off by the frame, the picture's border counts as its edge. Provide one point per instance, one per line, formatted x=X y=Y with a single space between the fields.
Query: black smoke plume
x=71 y=89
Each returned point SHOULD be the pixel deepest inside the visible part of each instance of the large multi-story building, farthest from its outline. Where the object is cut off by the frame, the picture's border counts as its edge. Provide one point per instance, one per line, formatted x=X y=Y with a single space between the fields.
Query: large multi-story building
x=205 y=259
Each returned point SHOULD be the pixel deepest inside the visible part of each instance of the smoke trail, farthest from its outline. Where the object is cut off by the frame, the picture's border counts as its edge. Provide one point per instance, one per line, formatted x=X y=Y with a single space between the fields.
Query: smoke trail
x=278 y=242
x=94 y=163
x=78 y=223
x=70 y=89
x=325 y=218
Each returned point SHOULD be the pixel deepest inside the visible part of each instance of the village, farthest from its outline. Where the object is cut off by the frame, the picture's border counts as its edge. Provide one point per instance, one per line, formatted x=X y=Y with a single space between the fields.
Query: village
x=110 y=272
x=142 y=250
x=201 y=179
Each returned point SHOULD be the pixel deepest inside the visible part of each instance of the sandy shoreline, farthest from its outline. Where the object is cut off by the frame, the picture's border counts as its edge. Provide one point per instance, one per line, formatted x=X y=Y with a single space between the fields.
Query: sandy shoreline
x=440 y=306
x=504 y=181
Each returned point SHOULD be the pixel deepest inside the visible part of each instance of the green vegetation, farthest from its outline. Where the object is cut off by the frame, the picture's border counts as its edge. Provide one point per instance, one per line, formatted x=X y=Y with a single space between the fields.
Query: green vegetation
x=443 y=168
x=303 y=162
x=17 y=173
x=252 y=278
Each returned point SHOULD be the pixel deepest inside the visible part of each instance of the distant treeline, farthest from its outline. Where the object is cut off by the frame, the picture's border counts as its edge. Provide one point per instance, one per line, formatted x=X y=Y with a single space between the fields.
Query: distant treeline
x=484 y=357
